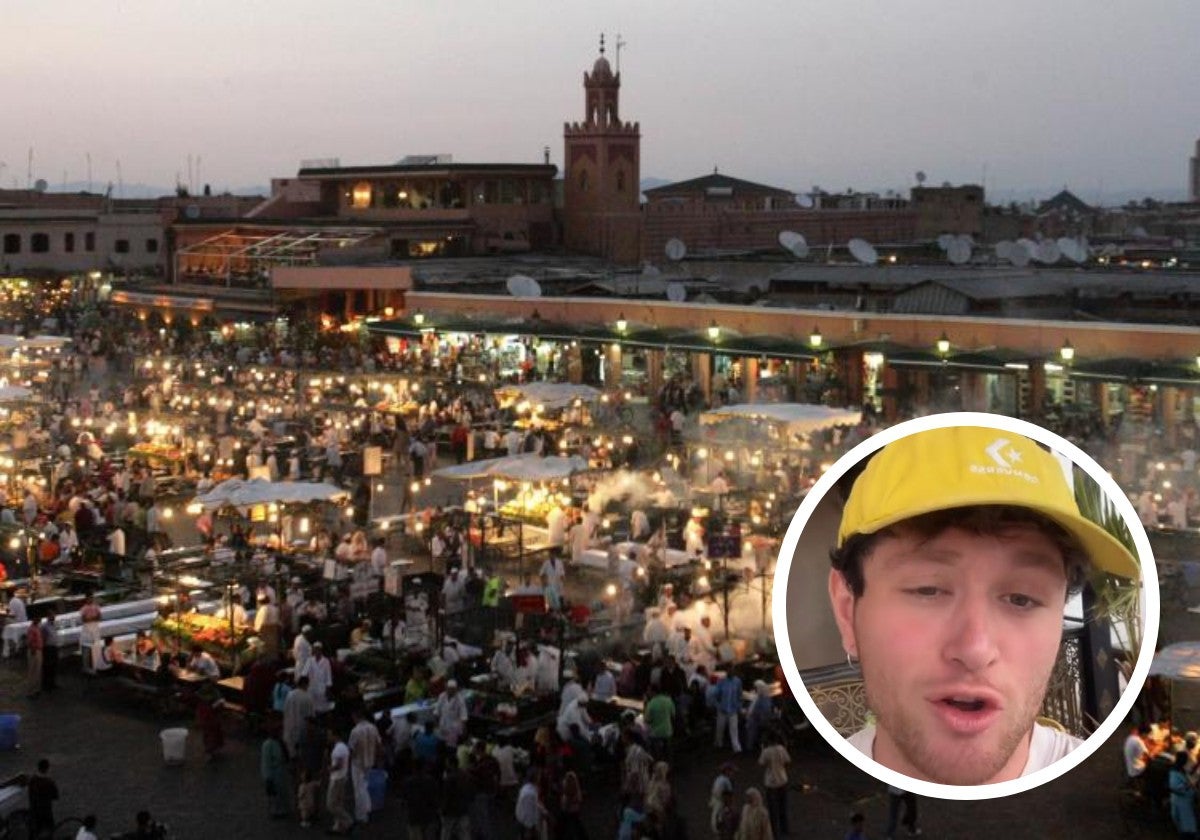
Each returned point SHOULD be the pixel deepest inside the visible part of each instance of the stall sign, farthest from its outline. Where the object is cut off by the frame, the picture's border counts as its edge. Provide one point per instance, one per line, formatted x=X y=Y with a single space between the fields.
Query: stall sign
x=372 y=457
x=724 y=545
x=531 y=604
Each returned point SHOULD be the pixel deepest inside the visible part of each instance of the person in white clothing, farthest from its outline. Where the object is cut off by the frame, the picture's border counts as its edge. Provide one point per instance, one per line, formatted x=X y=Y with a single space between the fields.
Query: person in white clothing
x=16 y=606
x=320 y=678
x=302 y=648
x=451 y=713
x=365 y=745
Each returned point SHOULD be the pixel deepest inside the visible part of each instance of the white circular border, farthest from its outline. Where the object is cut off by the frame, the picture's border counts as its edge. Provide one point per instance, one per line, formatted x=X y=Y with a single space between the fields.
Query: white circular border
x=826 y=483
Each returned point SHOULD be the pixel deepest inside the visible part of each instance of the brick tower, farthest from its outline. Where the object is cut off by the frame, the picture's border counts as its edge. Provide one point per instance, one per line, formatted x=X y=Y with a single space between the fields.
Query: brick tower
x=601 y=174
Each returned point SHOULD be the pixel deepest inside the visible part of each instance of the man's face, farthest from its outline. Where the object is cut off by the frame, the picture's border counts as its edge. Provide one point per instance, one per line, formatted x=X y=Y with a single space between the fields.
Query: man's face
x=957 y=636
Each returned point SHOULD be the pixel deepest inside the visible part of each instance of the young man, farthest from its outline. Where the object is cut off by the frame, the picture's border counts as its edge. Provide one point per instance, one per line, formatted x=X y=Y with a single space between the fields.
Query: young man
x=957 y=550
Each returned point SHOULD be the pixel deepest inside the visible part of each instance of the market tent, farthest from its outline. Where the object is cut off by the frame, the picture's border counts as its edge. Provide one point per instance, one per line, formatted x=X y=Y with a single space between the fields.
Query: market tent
x=533 y=467
x=552 y=395
x=798 y=418
x=237 y=492
x=14 y=393
x=525 y=467
x=1180 y=661
x=469 y=471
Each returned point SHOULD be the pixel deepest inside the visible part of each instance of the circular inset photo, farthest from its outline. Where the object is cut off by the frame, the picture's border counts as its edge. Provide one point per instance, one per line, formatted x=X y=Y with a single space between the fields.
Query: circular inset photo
x=966 y=605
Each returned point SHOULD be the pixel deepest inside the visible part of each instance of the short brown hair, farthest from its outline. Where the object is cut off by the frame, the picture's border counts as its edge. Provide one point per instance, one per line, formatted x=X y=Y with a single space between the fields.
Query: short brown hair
x=981 y=520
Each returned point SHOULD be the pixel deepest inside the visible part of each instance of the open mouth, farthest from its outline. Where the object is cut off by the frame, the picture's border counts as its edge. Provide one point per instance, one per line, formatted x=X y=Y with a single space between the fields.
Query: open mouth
x=966 y=704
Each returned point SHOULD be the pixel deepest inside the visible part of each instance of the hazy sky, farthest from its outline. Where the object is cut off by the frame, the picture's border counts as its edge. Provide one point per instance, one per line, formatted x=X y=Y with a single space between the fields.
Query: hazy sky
x=840 y=93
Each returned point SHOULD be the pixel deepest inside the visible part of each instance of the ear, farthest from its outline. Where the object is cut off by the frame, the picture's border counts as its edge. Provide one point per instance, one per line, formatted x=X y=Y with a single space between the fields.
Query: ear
x=841 y=599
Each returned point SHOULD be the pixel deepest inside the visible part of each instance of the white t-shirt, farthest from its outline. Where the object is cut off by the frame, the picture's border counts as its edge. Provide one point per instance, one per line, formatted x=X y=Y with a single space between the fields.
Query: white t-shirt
x=1136 y=756
x=339 y=761
x=1048 y=746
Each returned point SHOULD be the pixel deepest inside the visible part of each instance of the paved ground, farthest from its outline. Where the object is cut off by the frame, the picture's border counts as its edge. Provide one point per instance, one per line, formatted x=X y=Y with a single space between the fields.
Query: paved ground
x=107 y=759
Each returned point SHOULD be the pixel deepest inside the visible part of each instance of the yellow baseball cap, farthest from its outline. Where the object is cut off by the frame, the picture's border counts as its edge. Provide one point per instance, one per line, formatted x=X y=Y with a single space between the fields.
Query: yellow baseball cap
x=961 y=466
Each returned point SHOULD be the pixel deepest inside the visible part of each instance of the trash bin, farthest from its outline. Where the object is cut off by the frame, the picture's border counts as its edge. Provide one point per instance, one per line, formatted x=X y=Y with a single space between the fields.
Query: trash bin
x=9 y=727
x=174 y=745
x=377 y=782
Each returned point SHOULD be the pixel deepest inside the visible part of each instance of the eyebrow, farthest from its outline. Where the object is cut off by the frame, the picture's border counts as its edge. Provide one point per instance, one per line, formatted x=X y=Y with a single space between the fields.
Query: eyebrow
x=947 y=556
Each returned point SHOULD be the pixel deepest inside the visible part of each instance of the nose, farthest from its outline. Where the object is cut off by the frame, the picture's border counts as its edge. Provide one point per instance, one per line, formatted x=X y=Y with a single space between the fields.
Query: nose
x=970 y=635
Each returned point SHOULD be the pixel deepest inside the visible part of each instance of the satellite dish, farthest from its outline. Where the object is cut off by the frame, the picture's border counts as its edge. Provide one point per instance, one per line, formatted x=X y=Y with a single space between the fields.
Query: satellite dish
x=788 y=238
x=863 y=251
x=945 y=241
x=676 y=292
x=920 y=176
x=1085 y=249
x=795 y=243
x=675 y=249
x=520 y=285
x=649 y=270
x=1070 y=249
x=959 y=252
x=1028 y=245
x=966 y=239
x=192 y=211
x=1048 y=252
x=1004 y=249
x=1019 y=255
x=40 y=185
x=1138 y=232
x=804 y=200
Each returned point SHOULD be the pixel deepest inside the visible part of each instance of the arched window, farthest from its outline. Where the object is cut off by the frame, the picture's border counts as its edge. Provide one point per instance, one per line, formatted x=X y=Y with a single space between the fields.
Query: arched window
x=583 y=180
x=39 y=243
x=620 y=181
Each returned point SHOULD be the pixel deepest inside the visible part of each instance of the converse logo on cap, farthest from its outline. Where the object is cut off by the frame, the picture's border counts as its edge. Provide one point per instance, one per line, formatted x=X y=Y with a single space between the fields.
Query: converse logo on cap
x=1004 y=462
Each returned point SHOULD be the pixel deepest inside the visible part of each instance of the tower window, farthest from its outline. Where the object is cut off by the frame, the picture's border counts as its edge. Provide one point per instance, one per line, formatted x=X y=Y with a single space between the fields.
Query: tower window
x=583 y=181
x=620 y=182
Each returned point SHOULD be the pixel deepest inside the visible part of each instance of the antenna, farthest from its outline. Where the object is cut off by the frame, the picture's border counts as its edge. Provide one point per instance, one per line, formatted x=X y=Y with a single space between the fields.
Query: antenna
x=89 y=169
x=675 y=250
x=920 y=176
x=29 y=169
x=120 y=183
x=863 y=251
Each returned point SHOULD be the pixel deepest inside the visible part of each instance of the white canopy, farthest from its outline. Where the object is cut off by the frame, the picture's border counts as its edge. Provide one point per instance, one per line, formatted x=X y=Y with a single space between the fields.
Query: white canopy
x=237 y=492
x=1180 y=661
x=14 y=393
x=552 y=395
x=38 y=342
x=798 y=418
x=525 y=467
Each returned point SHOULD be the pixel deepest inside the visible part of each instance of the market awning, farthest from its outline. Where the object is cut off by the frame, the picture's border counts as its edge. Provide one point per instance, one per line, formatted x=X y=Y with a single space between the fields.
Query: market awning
x=799 y=418
x=525 y=467
x=551 y=395
x=1180 y=661
x=237 y=492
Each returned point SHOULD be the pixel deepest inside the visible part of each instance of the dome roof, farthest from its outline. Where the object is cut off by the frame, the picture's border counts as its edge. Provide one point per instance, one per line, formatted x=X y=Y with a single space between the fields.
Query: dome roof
x=601 y=68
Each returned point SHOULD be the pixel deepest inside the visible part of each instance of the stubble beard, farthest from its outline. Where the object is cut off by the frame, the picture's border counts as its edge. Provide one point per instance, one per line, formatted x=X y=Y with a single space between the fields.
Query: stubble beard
x=966 y=766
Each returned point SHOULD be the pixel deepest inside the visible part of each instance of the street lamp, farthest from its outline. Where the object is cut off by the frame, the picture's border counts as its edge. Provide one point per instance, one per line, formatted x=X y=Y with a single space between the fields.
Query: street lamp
x=943 y=344
x=419 y=317
x=1066 y=352
x=622 y=324
x=714 y=332
x=815 y=338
